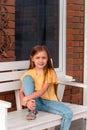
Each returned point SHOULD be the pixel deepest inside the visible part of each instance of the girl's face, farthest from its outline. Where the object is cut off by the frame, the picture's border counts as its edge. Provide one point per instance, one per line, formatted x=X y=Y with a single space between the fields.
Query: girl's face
x=40 y=59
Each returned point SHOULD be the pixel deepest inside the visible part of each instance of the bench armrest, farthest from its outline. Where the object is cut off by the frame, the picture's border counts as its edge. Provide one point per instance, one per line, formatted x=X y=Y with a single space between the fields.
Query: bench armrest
x=4 y=104
x=61 y=87
x=73 y=83
x=3 y=114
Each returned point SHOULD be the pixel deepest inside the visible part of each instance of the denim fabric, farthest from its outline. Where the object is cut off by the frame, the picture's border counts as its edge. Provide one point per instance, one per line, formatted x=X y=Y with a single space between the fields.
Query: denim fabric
x=28 y=85
x=49 y=106
x=56 y=108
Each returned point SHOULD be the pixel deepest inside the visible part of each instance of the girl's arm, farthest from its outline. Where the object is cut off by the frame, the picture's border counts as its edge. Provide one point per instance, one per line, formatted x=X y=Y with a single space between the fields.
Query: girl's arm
x=21 y=93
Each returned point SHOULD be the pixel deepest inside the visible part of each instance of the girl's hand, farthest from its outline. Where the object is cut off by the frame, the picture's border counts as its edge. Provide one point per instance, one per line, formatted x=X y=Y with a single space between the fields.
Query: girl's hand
x=24 y=101
x=31 y=104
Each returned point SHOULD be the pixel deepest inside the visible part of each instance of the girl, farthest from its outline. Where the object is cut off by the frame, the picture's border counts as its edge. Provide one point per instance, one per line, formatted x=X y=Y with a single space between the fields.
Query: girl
x=42 y=78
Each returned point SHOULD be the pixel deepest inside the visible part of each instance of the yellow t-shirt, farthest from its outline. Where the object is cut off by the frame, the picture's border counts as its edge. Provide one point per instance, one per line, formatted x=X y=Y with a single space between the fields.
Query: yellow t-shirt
x=38 y=80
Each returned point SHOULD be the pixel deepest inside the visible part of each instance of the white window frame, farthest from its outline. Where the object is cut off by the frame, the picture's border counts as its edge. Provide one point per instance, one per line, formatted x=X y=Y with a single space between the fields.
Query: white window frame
x=62 y=37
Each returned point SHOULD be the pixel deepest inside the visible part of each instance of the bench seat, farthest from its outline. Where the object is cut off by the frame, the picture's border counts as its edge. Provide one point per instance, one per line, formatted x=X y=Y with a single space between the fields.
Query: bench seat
x=10 y=73
x=17 y=119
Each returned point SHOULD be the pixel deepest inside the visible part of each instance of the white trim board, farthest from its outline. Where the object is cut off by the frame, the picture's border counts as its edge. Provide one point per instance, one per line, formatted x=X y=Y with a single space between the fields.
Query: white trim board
x=62 y=37
x=85 y=56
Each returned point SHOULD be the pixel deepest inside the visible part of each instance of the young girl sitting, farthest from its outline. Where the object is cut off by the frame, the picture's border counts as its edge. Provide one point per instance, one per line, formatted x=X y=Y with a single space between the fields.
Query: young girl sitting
x=39 y=85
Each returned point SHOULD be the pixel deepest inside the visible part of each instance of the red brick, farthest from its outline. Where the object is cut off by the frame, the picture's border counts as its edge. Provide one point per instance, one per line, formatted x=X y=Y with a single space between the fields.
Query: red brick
x=8 y=9
x=80 y=2
x=78 y=49
x=75 y=13
x=74 y=7
x=8 y=2
x=73 y=19
x=73 y=31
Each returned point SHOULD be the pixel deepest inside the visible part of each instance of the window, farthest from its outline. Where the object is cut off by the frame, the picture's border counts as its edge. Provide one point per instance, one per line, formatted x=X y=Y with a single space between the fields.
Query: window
x=40 y=22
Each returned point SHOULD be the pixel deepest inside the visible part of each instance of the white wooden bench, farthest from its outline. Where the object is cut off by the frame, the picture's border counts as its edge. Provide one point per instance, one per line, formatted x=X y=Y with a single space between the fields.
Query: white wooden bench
x=9 y=80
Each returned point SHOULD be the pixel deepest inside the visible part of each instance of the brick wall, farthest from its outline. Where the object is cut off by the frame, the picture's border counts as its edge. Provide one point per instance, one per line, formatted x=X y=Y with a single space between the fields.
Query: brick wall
x=7 y=40
x=7 y=30
x=75 y=48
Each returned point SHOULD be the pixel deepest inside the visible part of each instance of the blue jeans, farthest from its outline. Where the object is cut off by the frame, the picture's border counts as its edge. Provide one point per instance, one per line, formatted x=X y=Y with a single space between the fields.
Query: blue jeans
x=28 y=85
x=50 y=106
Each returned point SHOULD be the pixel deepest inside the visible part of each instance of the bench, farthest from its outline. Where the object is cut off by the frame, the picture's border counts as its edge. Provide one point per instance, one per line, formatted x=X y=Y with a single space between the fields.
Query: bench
x=15 y=120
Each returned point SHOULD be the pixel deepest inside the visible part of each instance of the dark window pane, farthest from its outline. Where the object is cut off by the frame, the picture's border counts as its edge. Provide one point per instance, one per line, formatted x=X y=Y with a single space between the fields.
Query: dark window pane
x=37 y=22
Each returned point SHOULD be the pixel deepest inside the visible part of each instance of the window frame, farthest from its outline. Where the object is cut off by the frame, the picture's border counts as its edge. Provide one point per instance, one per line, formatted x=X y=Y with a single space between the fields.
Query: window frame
x=62 y=37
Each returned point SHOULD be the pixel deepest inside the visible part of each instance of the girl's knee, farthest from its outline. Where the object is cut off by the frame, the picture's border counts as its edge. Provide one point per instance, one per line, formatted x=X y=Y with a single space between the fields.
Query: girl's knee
x=28 y=78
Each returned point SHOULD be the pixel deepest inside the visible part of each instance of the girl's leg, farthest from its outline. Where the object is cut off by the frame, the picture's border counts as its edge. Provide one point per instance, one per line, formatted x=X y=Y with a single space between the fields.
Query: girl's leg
x=28 y=86
x=57 y=108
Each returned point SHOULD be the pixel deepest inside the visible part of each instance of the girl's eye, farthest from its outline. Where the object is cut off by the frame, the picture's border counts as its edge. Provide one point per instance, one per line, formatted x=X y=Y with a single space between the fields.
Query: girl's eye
x=37 y=57
x=44 y=57
x=41 y=58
